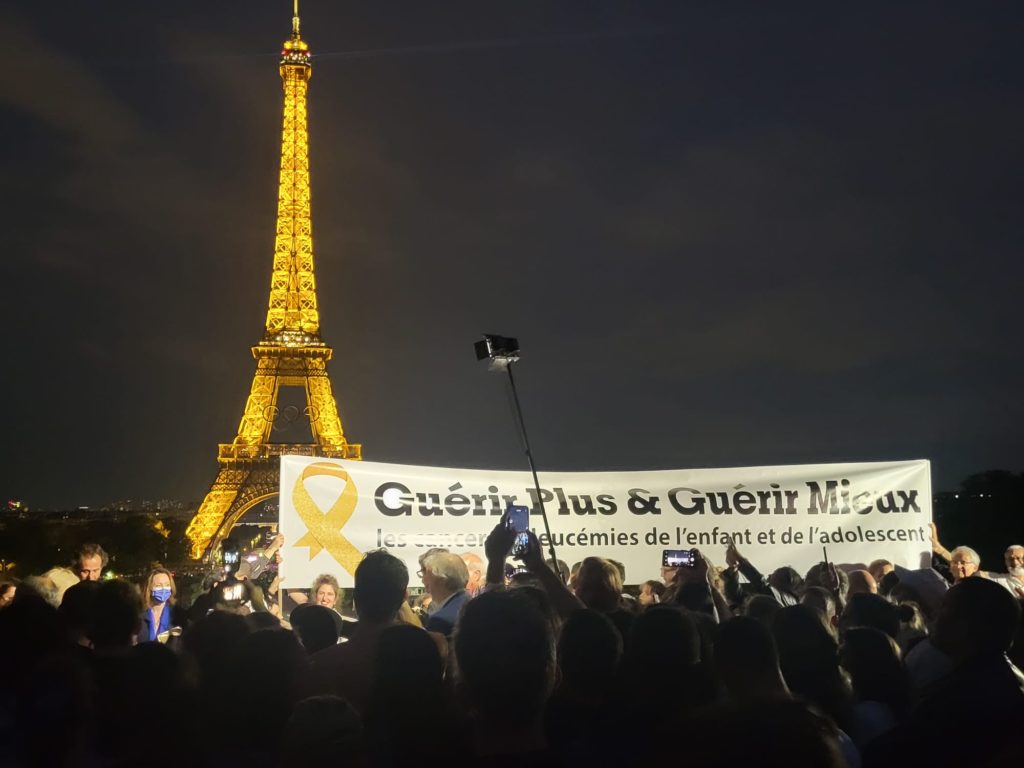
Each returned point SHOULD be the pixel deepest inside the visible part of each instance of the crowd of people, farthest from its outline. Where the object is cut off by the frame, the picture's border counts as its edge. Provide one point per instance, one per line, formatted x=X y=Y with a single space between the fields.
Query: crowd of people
x=535 y=665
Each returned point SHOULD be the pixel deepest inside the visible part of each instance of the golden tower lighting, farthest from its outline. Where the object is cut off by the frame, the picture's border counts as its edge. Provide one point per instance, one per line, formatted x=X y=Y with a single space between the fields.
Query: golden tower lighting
x=291 y=353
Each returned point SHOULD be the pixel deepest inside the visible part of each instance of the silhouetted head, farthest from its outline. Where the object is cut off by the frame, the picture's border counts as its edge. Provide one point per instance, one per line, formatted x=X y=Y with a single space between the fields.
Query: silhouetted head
x=746 y=659
x=76 y=610
x=867 y=610
x=762 y=608
x=589 y=650
x=316 y=626
x=862 y=582
x=117 y=615
x=978 y=619
x=381 y=582
x=211 y=643
x=787 y=580
x=872 y=660
x=824 y=603
x=599 y=585
x=817 y=576
x=505 y=651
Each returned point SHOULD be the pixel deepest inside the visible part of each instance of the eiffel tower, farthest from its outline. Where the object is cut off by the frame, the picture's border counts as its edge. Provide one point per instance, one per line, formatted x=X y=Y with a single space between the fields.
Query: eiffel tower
x=291 y=353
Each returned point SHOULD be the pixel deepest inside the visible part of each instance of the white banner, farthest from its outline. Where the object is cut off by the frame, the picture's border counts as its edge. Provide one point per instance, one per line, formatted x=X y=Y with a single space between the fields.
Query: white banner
x=333 y=511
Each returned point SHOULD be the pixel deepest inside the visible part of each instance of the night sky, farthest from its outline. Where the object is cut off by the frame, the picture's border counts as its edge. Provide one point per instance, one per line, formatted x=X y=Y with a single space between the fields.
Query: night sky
x=725 y=234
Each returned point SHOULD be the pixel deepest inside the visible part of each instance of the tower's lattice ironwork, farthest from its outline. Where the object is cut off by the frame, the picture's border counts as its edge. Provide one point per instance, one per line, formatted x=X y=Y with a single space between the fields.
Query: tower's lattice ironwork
x=291 y=353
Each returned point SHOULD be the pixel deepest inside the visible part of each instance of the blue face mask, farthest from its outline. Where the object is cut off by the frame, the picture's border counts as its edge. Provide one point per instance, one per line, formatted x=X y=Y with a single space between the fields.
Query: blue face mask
x=161 y=594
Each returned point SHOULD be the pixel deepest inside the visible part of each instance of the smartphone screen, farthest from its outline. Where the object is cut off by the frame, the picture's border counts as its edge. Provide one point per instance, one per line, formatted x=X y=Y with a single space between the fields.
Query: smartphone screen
x=518 y=518
x=677 y=558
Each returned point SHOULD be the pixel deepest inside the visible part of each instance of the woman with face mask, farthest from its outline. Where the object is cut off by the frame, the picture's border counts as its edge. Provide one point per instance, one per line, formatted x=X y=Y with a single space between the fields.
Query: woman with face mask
x=161 y=612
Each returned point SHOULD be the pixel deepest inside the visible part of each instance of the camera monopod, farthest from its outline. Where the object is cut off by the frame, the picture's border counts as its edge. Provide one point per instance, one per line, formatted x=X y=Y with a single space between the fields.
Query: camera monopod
x=503 y=352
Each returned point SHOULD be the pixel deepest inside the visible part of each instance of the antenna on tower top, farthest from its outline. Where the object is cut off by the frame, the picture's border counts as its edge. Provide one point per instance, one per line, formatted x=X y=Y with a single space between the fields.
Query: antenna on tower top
x=295 y=18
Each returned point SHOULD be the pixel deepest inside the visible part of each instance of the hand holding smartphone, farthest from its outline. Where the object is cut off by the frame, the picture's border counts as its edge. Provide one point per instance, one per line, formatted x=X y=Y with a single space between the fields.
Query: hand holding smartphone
x=678 y=558
x=517 y=518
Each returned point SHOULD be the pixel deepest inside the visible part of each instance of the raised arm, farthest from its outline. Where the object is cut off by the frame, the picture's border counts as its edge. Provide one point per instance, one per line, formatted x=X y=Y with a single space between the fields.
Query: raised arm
x=564 y=601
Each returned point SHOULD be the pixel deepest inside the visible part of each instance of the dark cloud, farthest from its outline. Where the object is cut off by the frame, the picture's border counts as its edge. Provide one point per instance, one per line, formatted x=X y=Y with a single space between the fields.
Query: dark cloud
x=723 y=237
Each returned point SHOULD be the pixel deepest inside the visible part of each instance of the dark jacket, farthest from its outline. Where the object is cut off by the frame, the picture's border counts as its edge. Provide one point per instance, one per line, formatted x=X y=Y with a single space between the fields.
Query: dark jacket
x=177 y=619
x=443 y=620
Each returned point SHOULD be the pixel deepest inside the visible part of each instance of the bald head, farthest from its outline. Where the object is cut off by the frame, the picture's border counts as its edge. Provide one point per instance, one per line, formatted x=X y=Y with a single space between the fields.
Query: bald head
x=862 y=583
x=879 y=569
x=475 y=567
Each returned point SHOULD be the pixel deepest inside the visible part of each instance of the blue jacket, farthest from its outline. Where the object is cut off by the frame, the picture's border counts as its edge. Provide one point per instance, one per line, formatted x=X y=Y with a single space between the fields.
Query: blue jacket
x=444 y=618
x=171 y=617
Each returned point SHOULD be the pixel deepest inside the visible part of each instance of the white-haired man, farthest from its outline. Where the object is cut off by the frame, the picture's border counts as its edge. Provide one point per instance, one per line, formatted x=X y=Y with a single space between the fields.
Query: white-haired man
x=964 y=562
x=1013 y=579
x=444 y=577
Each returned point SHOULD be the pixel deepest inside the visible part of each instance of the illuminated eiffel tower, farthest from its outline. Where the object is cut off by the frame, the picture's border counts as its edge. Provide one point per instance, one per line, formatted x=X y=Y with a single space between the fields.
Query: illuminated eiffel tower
x=291 y=353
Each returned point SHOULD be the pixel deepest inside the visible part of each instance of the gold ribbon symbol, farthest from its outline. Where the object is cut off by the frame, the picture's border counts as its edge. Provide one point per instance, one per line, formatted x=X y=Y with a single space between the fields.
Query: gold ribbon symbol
x=325 y=527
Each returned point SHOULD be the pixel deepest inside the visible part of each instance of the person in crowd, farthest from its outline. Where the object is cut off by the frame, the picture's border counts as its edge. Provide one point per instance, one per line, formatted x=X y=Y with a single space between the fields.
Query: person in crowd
x=317 y=626
x=809 y=658
x=698 y=588
x=505 y=661
x=879 y=569
x=161 y=610
x=410 y=696
x=862 y=583
x=427 y=605
x=786 y=733
x=117 y=616
x=562 y=570
x=912 y=626
x=62 y=578
x=964 y=563
x=475 y=567
x=258 y=620
x=209 y=645
x=498 y=547
x=784 y=584
x=881 y=689
x=747 y=661
x=147 y=685
x=348 y=670
x=651 y=593
x=662 y=674
x=827 y=576
x=867 y=610
x=1013 y=579
x=824 y=604
x=974 y=630
x=574 y=574
x=267 y=669
x=44 y=587
x=90 y=562
x=326 y=591
x=599 y=585
x=444 y=577
x=323 y=730
x=76 y=611
x=761 y=608
x=8 y=589
x=580 y=711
